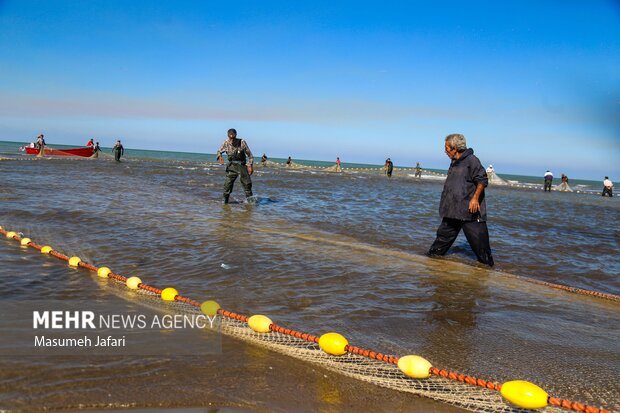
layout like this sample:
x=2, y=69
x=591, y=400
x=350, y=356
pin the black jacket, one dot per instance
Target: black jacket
x=463, y=176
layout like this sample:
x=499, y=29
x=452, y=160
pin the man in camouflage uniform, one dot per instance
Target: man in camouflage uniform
x=240, y=161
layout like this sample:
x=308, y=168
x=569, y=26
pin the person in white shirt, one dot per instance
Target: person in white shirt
x=607, y=187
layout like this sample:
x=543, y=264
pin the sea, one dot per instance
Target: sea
x=316, y=251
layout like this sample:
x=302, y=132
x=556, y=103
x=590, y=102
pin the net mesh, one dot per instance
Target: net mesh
x=468, y=397
x=495, y=179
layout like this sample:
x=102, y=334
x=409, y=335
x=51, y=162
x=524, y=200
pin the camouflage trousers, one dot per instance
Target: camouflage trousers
x=234, y=170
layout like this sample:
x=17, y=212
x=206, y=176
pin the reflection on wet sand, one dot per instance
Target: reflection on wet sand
x=453, y=315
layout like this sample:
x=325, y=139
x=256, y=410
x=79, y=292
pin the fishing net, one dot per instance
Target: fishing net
x=495, y=179
x=465, y=392
x=468, y=397
x=563, y=187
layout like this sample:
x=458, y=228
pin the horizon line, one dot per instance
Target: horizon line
x=299, y=159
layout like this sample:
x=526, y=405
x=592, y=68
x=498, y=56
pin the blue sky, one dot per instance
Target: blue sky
x=533, y=85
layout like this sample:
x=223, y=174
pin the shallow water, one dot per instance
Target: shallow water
x=318, y=252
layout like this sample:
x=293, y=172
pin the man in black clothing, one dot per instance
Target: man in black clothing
x=462, y=203
x=96, y=150
x=388, y=167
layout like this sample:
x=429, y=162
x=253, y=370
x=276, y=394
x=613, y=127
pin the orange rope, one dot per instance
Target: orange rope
x=563, y=403
x=569, y=289
x=371, y=354
x=296, y=334
x=59, y=255
x=186, y=300
x=232, y=315
x=35, y=246
x=578, y=407
x=88, y=266
x=465, y=379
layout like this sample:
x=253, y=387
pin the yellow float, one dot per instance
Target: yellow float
x=209, y=308
x=10, y=234
x=103, y=272
x=415, y=366
x=168, y=294
x=524, y=394
x=260, y=323
x=133, y=282
x=46, y=249
x=74, y=261
x=25, y=241
x=333, y=343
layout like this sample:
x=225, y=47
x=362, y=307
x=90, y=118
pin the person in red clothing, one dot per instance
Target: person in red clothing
x=91, y=143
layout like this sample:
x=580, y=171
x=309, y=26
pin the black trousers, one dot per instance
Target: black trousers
x=234, y=170
x=607, y=191
x=477, y=235
x=548, y=186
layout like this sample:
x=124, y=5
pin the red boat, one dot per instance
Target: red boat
x=85, y=152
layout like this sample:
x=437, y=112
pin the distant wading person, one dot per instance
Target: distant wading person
x=240, y=161
x=40, y=145
x=96, y=150
x=389, y=167
x=462, y=204
x=418, y=171
x=608, y=187
x=118, y=151
x=564, y=185
x=548, y=181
